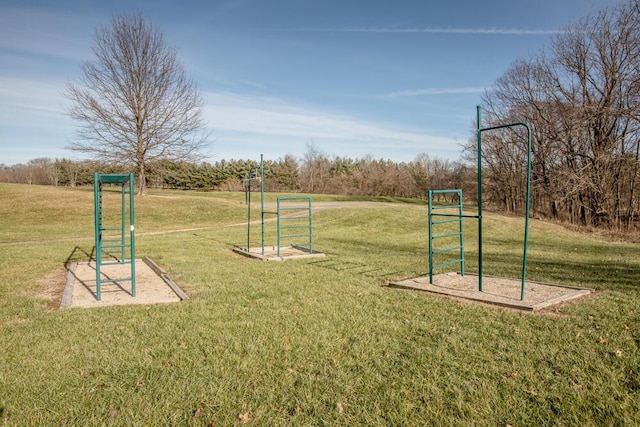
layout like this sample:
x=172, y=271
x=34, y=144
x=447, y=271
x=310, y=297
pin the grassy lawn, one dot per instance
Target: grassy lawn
x=309, y=342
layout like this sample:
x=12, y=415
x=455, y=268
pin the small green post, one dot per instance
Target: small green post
x=262, y=198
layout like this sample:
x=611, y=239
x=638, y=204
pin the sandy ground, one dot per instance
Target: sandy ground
x=497, y=291
x=151, y=287
x=271, y=253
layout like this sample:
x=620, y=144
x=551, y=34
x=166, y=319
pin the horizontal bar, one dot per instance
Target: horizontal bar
x=444, y=264
x=440, y=236
x=294, y=235
x=446, y=221
x=441, y=251
x=124, y=279
x=456, y=215
x=458, y=206
x=125, y=262
x=293, y=217
x=445, y=191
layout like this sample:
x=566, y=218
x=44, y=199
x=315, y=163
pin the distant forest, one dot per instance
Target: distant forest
x=313, y=173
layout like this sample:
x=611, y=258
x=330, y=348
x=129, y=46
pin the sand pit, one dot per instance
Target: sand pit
x=496, y=291
x=286, y=253
x=153, y=285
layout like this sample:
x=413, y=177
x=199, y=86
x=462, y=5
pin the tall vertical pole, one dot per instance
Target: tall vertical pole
x=262, y=198
x=248, y=201
x=479, y=136
x=123, y=222
x=430, y=230
x=132, y=239
x=526, y=214
x=97, y=210
x=310, y=228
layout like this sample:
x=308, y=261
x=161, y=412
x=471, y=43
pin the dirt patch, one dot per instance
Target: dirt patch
x=495, y=290
x=271, y=253
x=152, y=285
x=52, y=287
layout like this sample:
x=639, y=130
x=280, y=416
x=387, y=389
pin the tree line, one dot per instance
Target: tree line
x=313, y=173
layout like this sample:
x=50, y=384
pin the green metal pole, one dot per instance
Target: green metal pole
x=132, y=239
x=97, y=211
x=479, y=136
x=461, y=230
x=278, y=225
x=262, y=199
x=123, y=192
x=527, y=205
x=430, y=227
x=528, y=195
x=248, y=200
x=310, y=228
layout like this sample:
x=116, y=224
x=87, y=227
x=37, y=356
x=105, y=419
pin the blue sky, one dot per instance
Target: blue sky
x=387, y=79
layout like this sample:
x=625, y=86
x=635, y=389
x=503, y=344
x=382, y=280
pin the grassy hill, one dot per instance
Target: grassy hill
x=308, y=342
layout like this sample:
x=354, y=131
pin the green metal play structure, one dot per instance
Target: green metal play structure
x=457, y=216
x=114, y=230
x=441, y=216
x=294, y=219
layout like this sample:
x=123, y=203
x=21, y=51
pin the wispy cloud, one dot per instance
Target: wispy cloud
x=441, y=30
x=29, y=103
x=271, y=119
x=433, y=91
x=50, y=34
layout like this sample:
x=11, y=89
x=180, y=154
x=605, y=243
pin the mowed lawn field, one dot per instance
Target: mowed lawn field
x=309, y=342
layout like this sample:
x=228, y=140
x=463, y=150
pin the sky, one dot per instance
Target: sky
x=386, y=79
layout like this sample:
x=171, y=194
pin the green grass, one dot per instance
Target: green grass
x=309, y=342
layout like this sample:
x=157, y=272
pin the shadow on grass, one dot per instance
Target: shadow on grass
x=600, y=274
x=360, y=268
x=80, y=254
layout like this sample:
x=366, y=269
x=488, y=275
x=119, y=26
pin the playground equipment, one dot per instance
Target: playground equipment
x=113, y=243
x=459, y=215
x=446, y=236
x=294, y=221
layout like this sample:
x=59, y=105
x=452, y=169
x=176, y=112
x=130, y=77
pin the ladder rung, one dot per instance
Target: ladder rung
x=294, y=235
x=441, y=236
x=446, y=207
x=124, y=279
x=444, y=264
x=441, y=251
x=445, y=221
x=116, y=263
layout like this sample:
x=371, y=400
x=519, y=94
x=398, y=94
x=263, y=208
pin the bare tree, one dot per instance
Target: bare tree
x=134, y=102
x=582, y=98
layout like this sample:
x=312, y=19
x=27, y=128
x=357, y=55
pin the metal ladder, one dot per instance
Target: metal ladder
x=112, y=242
x=450, y=214
x=295, y=226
